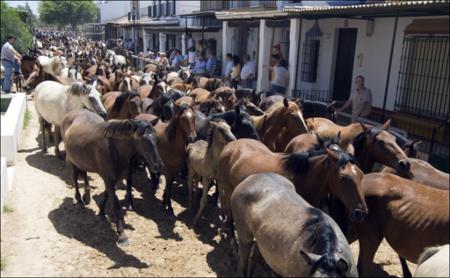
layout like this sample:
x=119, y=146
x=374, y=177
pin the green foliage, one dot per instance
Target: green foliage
x=7, y=209
x=64, y=12
x=12, y=24
x=26, y=119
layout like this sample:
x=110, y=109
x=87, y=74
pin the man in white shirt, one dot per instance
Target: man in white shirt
x=360, y=100
x=10, y=61
x=248, y=72
x=280, y=79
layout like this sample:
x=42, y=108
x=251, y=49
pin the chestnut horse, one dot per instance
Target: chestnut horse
x=93, y=145
x=173, y=137
x=286, y=115
x=409, y=215
x=314, y=174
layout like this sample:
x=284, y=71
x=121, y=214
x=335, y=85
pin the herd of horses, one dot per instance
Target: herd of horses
x=294, y=188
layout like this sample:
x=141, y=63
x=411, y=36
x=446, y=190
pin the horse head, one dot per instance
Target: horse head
x=377, y=144
x=89, y=96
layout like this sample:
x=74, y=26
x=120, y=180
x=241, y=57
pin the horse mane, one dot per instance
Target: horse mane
x=120, y=100
x=77, y=88
x=320, y=239
x=429, y=252
x=28, y=58
x=123, y=129
x=358, y=141
x=274, y=107
x=172, y=129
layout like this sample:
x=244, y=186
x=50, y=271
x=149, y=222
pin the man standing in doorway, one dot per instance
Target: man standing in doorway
x=10, y=61
x=248, y=72
x=360, y=100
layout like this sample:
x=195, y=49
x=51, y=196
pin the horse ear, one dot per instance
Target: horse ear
x=310, y=258
x=154, y=121
x=321, y=141
x=338, y=137
x=364, y=127
x=387, y=124
x=285, y=102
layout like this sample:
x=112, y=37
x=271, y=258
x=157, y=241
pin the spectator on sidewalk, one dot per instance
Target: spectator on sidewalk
x=360, y=100
x=10, y=59
x=248, y=72
x=235, y=72
x=280, y=79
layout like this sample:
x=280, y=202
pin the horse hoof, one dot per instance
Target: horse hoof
x=86, y=198
x=123, y=240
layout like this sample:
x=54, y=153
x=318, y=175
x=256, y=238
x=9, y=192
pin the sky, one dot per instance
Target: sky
x=33, y=4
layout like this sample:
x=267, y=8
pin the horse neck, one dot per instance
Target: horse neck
x=174, y=133
x=364, y=159
x=123, y=150
x=348, y=133
x=259, y=122
x=314, y=184
x=212, y=154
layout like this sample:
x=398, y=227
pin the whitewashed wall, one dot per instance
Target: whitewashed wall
x=375, y=51
x=113, y=9
x=185, y=7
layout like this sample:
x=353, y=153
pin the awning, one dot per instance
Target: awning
x=199, y=14
x=182, y=29
x=384, y=9
x=245, y=15
x=428, y=26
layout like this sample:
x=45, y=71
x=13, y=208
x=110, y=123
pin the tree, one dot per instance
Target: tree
x=12, y=24
x=62, y=13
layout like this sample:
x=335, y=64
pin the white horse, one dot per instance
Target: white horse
x=434, y=262
x=114, y=59
x=184, y=73
x=51, y=65
x=53, y=100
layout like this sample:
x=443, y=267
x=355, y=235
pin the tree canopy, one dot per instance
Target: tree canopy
x=12, y=24
x=62, y=13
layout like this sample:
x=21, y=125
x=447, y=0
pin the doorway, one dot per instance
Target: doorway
x=345, y=56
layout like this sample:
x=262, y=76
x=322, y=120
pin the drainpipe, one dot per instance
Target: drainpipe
x=389, y=69
x=298, y=54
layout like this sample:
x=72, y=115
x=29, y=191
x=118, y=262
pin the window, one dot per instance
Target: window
x=310, y=59
x=422, y=87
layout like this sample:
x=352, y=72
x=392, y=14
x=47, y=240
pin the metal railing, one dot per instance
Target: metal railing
x=317, y=95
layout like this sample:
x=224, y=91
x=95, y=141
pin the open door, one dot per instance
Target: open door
x=345, y=56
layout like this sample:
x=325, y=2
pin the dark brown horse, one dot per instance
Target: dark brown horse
x=122, y=105
x=409, y=215
x=286, y=115
x=93, y=145
x=173, y=137
x=314, y=174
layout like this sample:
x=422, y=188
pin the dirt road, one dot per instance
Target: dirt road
x=46, y=234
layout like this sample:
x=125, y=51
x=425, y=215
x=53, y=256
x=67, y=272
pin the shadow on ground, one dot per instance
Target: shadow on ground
x=86, y=227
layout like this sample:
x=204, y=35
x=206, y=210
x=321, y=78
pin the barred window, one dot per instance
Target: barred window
x=310, y=59
x=422, y=87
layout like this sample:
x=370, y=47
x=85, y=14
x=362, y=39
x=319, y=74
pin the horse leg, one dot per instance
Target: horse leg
x=75, y=173
x=42, y=123
x=370, y=237
x=167, y=203
x=215, y=196
x=129, y=196
x=405, y=269
x=155, y=180
x=101, y=212
x=118, y=213
x=245, y=240
x=206, y=184
x=57, y=137
x=190, y=186
x=87, y=189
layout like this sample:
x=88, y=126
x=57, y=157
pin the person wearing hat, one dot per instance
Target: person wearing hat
x=10, y=61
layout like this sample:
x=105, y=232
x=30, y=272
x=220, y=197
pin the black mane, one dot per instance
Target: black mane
x=298, y=163
x=320, y=239
x=358, y=141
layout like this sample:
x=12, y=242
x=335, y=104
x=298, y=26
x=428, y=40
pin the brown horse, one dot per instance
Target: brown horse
x=286, y=115
x=173, y=137
x=93, y=145
x=411, y=216
x=314, y=174
x=38, y=75
x=122, y=105
x=422, y=172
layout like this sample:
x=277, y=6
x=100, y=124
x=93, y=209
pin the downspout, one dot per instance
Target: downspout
x=389, y=69
x=298, y=54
